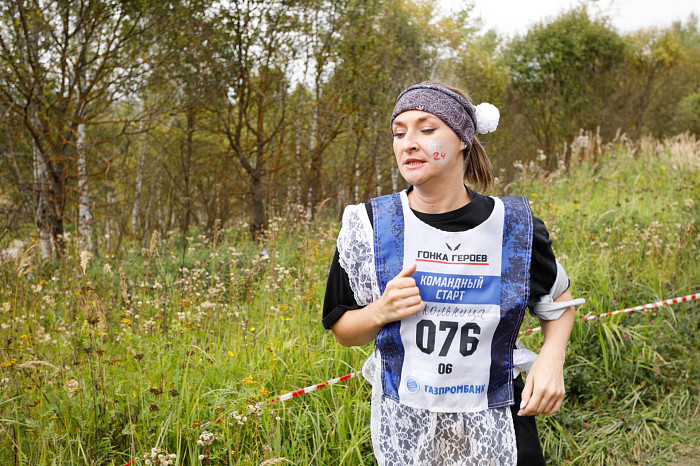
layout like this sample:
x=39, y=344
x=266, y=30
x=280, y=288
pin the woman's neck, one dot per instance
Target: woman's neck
x=439, y=199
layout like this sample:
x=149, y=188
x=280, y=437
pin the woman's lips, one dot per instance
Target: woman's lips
x=414, y=163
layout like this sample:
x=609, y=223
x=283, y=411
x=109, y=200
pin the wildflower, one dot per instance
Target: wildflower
x=71, y=387
x=255, y=409
x=252, y=329
x=663, y=167
x=125, y=321
x=264, y=391
x=230, y=353
x=206, y=439
x=248, y=380
x=9, y=363
x=107, y=269
x=85, y=257
x=159, y=457
x=585, y=424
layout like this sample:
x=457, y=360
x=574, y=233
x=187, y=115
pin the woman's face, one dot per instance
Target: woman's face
x=426, y=149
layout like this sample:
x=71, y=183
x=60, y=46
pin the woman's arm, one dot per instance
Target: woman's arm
x=544, y=386
x=400, y=299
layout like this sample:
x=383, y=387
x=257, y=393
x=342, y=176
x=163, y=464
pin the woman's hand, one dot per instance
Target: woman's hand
x=544, y=385
x=400, y=299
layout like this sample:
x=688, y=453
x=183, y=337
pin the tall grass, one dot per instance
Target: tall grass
x=104, y=363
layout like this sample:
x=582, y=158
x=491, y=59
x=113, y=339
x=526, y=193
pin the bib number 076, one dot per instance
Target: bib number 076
x=426, y=331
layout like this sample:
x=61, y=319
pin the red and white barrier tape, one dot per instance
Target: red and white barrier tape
x=309, y=389
x=301, y=391
x=666, y=302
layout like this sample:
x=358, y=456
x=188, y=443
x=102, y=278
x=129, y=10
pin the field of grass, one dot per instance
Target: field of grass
x=113, y=359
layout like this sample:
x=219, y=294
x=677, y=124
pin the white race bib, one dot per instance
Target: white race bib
x=448, y=344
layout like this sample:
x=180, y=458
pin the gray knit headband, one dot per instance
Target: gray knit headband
x=449, y=106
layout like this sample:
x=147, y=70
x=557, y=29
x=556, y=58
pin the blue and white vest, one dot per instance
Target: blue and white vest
x=457, y=354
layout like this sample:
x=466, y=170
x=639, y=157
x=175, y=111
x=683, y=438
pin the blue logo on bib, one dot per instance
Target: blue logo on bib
x=412, y=385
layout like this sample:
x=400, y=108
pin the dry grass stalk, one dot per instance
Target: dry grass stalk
x=682, y=151
x=275, y=461
x=85, y=257
x=587, y=147
x=23, y=262
x=31, y=364
x=122, y=284
x=152, y=247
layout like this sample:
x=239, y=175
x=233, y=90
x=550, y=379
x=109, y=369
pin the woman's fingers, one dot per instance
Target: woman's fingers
x=401, y=297
x=407, y=271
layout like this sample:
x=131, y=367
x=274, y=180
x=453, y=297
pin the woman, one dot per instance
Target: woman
x=439, y=276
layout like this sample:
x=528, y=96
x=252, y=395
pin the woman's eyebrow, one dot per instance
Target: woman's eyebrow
x=398, y=122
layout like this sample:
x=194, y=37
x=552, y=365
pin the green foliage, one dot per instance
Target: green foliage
x=562, y=75
x=105, y=358
x=687, y=116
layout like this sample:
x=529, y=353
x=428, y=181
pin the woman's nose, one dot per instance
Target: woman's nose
x=410, y=142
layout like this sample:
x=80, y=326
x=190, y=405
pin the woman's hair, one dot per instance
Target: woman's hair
x=478, y=171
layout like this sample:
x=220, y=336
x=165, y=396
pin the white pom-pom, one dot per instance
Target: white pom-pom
x=487, y=116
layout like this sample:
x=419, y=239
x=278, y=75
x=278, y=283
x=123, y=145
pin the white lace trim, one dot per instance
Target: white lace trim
x=356, y=254
x=402, y=435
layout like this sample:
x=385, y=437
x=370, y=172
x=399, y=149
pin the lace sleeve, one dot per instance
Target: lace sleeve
x=356, y=254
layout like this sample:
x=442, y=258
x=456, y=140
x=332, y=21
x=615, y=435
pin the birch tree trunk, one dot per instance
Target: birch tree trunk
x=297, y=188
x=85, y=219
x=378, y=172
x=42, y=211
x=108, y=220
x=313, y=163
x=135, y=211
x=394, y=178
x=356, y=189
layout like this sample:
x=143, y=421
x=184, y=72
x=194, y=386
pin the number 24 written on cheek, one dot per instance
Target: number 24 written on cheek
x=438, y=156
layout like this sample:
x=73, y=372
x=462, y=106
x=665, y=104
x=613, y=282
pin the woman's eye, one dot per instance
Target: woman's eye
x=429, y=130
x=398, y=135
